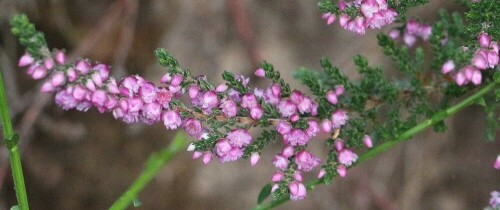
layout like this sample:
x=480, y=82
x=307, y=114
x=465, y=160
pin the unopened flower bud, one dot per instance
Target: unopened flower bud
x=367, y=141
x=331, y=97
x=254, y=158
x=342, y=170
x=207, y=157
x=448, y=67
x=278, y=177
x=321, y=173
x=484, y=39
x=260, y=72
x=26, y=60
x=191, y=147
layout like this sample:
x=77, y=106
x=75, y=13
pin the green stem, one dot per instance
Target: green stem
x=153, y=165
x=440, y=116
x=10, y=139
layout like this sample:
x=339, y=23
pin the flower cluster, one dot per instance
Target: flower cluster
x=82, y=85
x=231, y=106
x=369, y=14
x=413, y=30
x=485, y=57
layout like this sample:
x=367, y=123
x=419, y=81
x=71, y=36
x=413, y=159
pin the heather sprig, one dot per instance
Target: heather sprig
x=361, y=118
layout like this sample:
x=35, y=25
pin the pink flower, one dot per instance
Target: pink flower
x=229, y=108
x=313, y=128
x=209, y=100
x=394, y=33
x=288, y=151
x=256, y=112
x=176, y=80
x=296, y=97
x=339, y=90
x=80, y=92
x=369, y=7
x=342, y=170
x=339, y=145
x=484, y=40
x=321, y=173
x=425, y=31
x=283, y=127
x=65, y=99
x=367, y=141
x=72, y=74
x=297, y=191
x=48, y=63
x=331, y=97
x=57, y=78
x=347, y=157
x=197, y=155
x=193, y=91
x=448, y=67
x=207, y=157
x=326, y=125
x=249, y=101
x=294, y=118
x=239, y=138
x=254, y=158
x=26, y=60
x=39, y=72
x=460, y=78
x=99, y=98
x=492, y=57
x=163, y=97
x=128, y=86
x=286, y=108
x=166, y=78
x=47, y=87
x=297, y=176
x=221, y=88
x=260, y=72
x=496, y=165
x=278, y=177
x=409, y=39
x=234, y=154
x=305, y=106
x=296, y=137
x=171, y=119
x=151, y=113
x=60, y=57
x=479, y=61
x=193, y=127
x=148, y=92
x=329, y=17
x=222, y=147
x=103, y=71
x=280, y=162
x=306, y=161
x=495, y=199
x=82, y=66
x=339, y=118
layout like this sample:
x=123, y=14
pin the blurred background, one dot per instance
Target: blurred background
x=76, y=160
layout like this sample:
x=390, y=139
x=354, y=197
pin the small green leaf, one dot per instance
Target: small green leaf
x=264, y=193
x=14, y=207
x=481, y=101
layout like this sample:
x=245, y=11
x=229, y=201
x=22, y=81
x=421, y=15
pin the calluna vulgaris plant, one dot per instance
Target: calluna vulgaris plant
x=465, y=57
